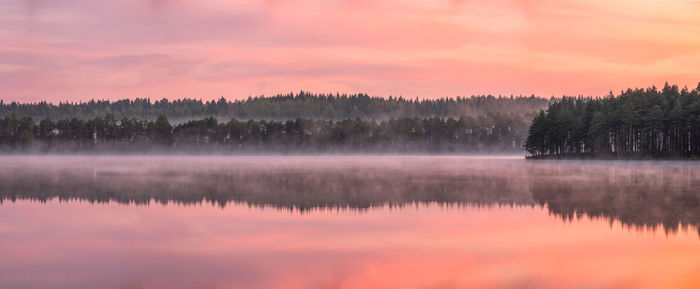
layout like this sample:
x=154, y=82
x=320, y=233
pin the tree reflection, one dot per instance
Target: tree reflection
x=641, y=195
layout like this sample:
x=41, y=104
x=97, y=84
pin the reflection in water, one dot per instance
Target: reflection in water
x=643, y=195
x=345, y=222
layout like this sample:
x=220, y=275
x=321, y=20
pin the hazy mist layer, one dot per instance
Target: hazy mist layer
x=637, y=193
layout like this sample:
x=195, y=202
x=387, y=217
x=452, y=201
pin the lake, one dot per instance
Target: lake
x=347, y=222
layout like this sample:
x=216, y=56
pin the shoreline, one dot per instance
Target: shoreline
x=613, y=156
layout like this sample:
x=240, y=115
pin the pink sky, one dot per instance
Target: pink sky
x=81, y=49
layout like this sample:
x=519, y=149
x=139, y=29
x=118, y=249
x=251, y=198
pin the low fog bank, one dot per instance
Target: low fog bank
x=639, y=194
x=489, y=134
x=259, y=154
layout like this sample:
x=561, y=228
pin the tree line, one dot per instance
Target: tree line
x=637, y=123
x=280, y=107
x=486, y=133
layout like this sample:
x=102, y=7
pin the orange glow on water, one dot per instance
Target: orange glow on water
x=158, y=246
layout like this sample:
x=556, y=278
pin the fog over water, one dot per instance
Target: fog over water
x=637, y=193
x=347, y=222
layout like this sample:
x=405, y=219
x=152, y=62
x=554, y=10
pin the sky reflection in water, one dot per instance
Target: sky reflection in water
x=347, y=222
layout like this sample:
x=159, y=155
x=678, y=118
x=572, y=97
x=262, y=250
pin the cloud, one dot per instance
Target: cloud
x=157, y=5
x=85, y=48
x=34, y=6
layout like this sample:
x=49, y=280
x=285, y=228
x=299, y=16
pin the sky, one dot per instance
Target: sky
x=72, y=50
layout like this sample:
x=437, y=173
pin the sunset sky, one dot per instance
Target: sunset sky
x=61, y=50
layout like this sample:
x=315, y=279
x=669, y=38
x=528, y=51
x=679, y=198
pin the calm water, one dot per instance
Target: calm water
x=347, y=222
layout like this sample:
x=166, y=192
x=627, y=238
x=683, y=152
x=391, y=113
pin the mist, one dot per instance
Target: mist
x=639, y=194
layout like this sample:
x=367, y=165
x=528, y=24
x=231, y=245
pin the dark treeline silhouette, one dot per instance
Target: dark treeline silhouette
x=637, y=123
x=486, y=133
x=644, y=195
x=281, y=107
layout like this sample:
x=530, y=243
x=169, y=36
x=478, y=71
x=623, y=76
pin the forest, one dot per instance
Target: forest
x=301, y=122
x=281, y=107
x=486, y=133
x=638, y=123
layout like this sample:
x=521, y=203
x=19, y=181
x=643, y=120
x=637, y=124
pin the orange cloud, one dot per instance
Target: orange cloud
x=73, y=50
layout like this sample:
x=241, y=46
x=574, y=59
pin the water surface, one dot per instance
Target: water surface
x=347, y=222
